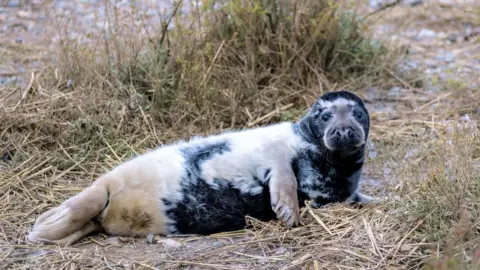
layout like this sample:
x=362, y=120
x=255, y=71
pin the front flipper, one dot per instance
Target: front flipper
x=283, y=195
x=360, y=199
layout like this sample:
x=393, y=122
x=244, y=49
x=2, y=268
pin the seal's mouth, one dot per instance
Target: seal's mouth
x=344, y=143
x=345, y=149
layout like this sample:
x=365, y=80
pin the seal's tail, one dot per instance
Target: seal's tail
x=72, y=220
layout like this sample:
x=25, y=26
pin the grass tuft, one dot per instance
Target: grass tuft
x=226, y=56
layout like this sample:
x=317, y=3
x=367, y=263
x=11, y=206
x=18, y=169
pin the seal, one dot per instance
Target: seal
x=210, y=184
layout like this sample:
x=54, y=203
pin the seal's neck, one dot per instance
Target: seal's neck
x=348, y=159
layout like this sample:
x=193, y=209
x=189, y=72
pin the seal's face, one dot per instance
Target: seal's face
x=339, y=121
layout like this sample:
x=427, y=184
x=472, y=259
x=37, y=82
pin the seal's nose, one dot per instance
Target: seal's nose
x=343, y=132
x=334, y=133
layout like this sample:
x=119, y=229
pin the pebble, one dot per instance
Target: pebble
x=433, y=89
x=150, y=238
x=430, y=63
x=372, y=150
x=394, y=91
x=413, y=64
x=114, y=241
x=412, y=153
x=263, y=260
x=446, y=2
x=413, y=2
x=406, y=67
x=372, y=93
x=281, y=251
x=386, y=170
x=426, y=34
x=13, y=3
x=381, y=3
x=13, y=81
x=468, y=29
x=445, y=56
x=24, y=14
x=453, y=66
x=384, y=108
x=452, y=38
x=436, y=70
x=466, y=118
x=170, y=243
x=377, y=3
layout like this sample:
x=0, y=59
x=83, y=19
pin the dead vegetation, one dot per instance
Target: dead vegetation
x=114, y=93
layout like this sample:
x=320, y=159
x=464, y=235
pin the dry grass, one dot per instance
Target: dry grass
x=108, y=99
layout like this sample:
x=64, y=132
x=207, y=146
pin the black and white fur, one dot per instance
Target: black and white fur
x=209, y=184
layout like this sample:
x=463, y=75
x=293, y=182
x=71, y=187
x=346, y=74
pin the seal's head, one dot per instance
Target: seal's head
x=337, y=121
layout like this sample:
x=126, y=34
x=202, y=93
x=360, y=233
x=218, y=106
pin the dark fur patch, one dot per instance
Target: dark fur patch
x=196, y=155
x=204, y=209
x=333, y=176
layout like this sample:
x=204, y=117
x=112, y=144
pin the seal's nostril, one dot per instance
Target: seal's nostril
x=350, y=133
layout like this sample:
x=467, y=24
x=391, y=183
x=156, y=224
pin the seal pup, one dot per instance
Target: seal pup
x=209, y=184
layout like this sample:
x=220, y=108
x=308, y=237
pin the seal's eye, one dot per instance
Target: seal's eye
x=326, y=116
x=358, y=114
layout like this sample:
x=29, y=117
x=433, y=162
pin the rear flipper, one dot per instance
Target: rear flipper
x=72, y=220
x=88, y=228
